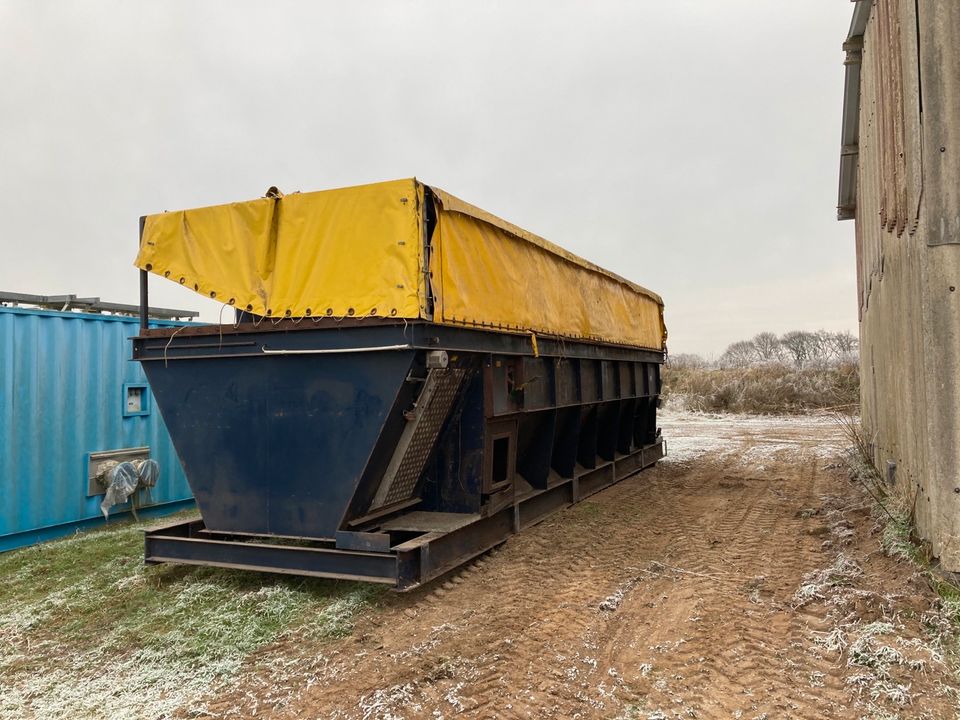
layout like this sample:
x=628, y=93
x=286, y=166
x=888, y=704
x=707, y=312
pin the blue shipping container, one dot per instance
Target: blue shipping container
x=68, y=388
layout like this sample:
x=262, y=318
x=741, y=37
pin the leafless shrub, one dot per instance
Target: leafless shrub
x=687, y=361
x=768, y=389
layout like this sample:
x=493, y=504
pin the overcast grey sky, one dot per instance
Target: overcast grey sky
x=691, y=146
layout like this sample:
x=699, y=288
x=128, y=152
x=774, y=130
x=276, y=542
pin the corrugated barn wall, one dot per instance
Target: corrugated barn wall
x=64, y=380
x=907, y=214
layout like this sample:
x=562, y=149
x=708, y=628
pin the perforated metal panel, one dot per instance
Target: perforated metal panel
x=419, y=437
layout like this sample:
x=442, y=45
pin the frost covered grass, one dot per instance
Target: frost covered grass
x=766, y=389
x=874, y=633
x=881, y=657
x=755, y=439
x=87, y=630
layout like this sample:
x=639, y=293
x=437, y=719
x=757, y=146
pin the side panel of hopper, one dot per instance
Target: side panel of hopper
x=278, y=444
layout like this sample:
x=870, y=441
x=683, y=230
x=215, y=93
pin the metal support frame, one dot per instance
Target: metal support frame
x=195, y=343
x=64, y=303
x=408, y=563
x=144, y=288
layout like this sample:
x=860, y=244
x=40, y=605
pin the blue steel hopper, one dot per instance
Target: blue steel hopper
x=464, y=394
x=398, y=450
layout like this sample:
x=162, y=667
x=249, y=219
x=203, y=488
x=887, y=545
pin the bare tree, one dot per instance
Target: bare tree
x=739, y=354
x=799, y=349
x=767, y=347
x=798, y=345
x=821, y=348
x=846, y=346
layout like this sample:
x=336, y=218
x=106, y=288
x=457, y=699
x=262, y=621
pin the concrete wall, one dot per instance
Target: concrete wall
x=908, y=253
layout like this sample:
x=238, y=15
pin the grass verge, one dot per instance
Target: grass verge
x=896, y=646
x=88, y=631
x=895, y=515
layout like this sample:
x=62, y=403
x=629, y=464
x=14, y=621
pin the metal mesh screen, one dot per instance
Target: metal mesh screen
x=423, y=437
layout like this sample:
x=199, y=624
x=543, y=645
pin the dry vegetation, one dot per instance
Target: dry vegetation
x=768, y=374
x=767, y=389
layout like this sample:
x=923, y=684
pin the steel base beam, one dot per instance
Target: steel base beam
x=407, y=564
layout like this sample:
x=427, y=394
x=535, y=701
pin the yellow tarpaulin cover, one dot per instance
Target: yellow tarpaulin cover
x=359, y=251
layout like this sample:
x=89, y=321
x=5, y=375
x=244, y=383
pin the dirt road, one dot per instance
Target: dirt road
x=742, y=578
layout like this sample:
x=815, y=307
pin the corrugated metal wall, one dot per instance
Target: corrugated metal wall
x=61, y=398
x=908, y=250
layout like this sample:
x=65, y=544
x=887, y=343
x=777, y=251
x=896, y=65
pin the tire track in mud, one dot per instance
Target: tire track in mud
x=734, y=607
x=544, y=589
x=671, y=591
x=525, y=648
x=756, y=616
x=574, y=573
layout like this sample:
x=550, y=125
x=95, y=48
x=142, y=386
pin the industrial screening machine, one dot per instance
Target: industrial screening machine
x=409, y=380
